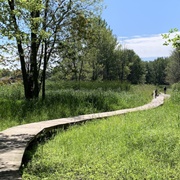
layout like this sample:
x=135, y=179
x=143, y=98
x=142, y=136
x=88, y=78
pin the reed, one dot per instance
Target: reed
x=66, y=101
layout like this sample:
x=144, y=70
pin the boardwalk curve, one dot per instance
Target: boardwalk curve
x=14, y=141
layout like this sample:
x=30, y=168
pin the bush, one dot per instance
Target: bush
x=176, y=87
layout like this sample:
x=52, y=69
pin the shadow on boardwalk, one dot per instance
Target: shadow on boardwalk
x=15, y=140
x=10, y=143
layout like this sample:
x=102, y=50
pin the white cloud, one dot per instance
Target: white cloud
x=147, y=47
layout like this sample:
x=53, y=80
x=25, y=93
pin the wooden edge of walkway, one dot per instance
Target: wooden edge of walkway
x=15, y=140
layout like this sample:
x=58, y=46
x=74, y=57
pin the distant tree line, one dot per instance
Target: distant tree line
x=104, y=59
x=97, y=57
x=101, y=57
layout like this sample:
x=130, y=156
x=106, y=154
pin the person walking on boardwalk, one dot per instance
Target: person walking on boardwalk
x=156, y=93
x=165, y=90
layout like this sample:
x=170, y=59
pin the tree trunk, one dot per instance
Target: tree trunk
x=34, y=85
x=23, y=69
x=44, y=71
x=20, y=50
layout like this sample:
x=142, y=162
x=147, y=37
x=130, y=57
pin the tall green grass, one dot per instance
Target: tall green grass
x=176, y=94
x=66, y=101
x=11, y=92
x=89, y=85
x=139, y=145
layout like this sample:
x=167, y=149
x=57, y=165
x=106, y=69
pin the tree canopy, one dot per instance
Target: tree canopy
x=35, y=28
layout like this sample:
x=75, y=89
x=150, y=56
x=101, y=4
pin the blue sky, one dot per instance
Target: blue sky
x=138, y=24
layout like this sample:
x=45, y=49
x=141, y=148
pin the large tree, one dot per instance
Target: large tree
x=156, y=71
x=35, y=28
x=160, y=65
x=73, y=51
x=128, y=65
x=150, y=72
x=173, y=67
x=88, y=55
x=122, y=69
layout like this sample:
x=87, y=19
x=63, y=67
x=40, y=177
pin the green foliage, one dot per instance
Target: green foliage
x=89, y=85
x=88, y=55
x=173, y=67
x=66, y=99
x=12, y=92
x=140, y=145
x=33, y=30
x=176, y=87
x=176, y=97
x=100, y=60
x=156, y=71
x=176, y=94
x=4, y=72
x=172, y=38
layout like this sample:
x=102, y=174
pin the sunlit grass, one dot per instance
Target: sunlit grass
x=140, y=145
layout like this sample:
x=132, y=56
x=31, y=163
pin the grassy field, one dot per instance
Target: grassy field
x=139, y=145
x=65, y=99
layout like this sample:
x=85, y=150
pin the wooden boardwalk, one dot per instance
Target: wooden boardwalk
x=15, y=140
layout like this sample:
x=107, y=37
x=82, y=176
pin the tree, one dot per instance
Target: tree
x=128, y=65
x=121, y=69
x=101, y=46
x=173, y=67
x=137, y=70
x=73, y=51
x=150, y=73
x=35, y=27
x=106, y=44
x=89, y=55
x=160, y=65
x=173, y=37
x=156, y=71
